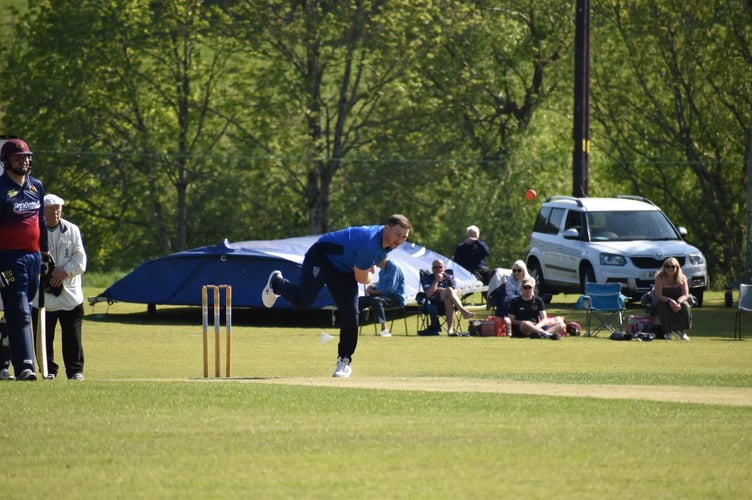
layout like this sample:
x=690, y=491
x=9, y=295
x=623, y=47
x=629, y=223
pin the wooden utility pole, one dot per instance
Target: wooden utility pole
x=581, y=130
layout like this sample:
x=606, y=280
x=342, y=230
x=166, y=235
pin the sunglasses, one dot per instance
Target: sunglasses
x=516, y=270
x=670, y=267
x=437, y=267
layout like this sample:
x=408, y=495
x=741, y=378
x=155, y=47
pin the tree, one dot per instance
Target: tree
x=131, y=96
x=489, y=82
x=672, y=100
x=173, y=124
x=334, y=74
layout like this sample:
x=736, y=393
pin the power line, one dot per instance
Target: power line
x=381, y=160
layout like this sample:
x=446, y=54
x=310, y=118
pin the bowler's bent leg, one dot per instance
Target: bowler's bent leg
x=313, y=275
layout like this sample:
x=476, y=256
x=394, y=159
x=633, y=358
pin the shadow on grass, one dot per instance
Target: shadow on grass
x=713, y=319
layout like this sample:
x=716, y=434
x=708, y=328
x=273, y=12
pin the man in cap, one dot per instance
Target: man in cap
x=24, y=251
x=64, y=294
x=527, y=314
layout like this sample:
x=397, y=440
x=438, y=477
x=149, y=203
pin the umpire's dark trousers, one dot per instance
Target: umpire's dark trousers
x=71, y=323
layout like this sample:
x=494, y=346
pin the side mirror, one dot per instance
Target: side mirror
x=571, y=234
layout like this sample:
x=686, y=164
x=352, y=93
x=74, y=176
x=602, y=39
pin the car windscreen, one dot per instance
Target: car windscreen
x=630, y=226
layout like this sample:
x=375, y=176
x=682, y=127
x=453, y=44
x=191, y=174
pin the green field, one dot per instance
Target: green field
x=421, y=417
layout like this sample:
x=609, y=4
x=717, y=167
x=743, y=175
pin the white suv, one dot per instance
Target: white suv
x=605, y=240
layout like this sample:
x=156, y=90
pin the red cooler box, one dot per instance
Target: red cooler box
x=492, y=326
x=639, y=324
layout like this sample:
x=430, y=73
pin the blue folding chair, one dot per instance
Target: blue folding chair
x=605, y=303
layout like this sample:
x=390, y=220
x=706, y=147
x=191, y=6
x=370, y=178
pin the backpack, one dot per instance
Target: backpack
x=574, y=329
x=649, y=302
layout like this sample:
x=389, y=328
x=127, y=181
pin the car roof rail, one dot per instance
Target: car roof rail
x=635, y=197
x=564, y=198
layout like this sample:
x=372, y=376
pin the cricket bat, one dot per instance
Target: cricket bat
x=41, y=337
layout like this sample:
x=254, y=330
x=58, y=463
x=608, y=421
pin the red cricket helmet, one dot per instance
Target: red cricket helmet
x=15, y=147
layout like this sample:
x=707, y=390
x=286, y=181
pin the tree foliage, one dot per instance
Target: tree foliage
x=674, y=117
x=129, y=107
x=169, y=125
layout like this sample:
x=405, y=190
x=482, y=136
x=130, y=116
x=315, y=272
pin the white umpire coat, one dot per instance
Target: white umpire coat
x=67, y=249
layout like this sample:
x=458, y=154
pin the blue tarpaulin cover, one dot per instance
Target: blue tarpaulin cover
x=176, y=279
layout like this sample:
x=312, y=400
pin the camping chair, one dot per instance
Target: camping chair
x=392, y=313
x=496, y=300
x=745, y=306
x=497, y=288
x=423, y=316
x=465, y=298
x=604, y=303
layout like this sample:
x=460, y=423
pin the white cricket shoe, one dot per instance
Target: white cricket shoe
x=343, y=368
x=384, y=333
x=5, y=375
x=684, y=336
x=268, y=297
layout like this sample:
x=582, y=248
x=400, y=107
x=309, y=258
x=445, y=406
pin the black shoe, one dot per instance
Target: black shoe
x=429, y=332
x=555, y=336
x=535, y=335
x=27, y=374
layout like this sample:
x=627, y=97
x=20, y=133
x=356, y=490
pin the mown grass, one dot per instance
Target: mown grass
x=144, y=424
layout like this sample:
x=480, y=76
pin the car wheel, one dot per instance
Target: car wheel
x=534, y=270
x=587, y=275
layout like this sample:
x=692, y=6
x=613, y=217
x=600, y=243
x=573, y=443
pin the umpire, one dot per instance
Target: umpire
x=64, y=295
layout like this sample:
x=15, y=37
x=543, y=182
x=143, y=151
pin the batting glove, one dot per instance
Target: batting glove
x=48, y=265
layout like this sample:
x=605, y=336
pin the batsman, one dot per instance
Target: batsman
x=24, y=251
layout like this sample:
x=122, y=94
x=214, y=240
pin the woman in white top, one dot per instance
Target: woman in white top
x=513, y=286
x=514, y=282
